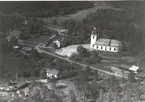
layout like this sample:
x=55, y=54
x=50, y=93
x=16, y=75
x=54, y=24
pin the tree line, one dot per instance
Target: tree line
x=43, y=8
x=126, y=25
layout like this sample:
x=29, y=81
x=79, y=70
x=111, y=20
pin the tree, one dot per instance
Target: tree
x=117, y=88
x=54, y=22
x=44, y=75
x=95, y=88
x=131, y=77
x=88, y=69
x=72, y=96
x=4, y=46
x=36, y=72
x=96, y=74
x=35, y=53
x=26, y=74
x=13, y=41
x=82, y=51
x=94, y=54
x=25, y=35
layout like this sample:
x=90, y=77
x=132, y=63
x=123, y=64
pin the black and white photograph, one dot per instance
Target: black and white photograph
x=72, y=51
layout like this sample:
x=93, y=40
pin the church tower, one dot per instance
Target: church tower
x=93, y=37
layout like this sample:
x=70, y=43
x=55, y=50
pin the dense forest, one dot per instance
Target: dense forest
x=126, y=23
x=43, y=9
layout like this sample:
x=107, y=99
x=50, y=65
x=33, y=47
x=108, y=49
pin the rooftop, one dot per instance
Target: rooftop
x=27, y=49
x=108, y=42
x=52, y=71
x=94, y=31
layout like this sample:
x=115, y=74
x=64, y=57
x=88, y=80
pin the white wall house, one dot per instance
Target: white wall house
x=57, y=43
x=52, y=73
x=110, y=45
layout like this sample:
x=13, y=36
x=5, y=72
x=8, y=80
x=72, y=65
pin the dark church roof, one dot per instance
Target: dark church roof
x=108, y=42
x=94, y=31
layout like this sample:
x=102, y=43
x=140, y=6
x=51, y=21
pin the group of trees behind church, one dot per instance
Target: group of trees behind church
x=43, y=8
x=124, y=24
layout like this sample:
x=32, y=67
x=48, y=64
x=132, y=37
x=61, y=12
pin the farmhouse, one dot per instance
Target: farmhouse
x=103, y=44
x=51, y=73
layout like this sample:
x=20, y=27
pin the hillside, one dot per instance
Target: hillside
x=43, y=8
x=78, y=16
x=122, y=23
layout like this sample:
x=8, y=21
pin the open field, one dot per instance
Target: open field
x=112, y=58
x=80, y=15
x=67, y=51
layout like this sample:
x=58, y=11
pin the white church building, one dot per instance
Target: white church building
x=103, y=44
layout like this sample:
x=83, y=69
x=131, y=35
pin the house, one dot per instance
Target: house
x=103, y=44
x=16, y=48
x=26, y=50
x=134, y=68
x=56, y=41
x=51, y=73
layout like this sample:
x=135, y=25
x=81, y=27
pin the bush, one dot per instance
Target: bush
x=94, y=54
x=75, y=57
x=36, y=73
x=26, y=74
x=131, y=77
x=94, y=60
x=82, y=51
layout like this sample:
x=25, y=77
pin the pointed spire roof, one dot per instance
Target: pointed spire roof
x=94, y=31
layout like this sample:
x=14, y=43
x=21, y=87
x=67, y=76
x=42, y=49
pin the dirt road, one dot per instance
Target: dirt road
x=38, y=48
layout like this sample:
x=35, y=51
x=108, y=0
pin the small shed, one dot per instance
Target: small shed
x=134, y=68
x=26, y=50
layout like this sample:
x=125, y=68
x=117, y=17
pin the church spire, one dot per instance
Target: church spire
x=94, y=32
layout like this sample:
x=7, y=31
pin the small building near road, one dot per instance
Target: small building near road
x=26, y=50
x=51, y=73
x=57, y=43
x=134, y=68
x=16, y=48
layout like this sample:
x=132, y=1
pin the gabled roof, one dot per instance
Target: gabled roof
x=27, y=49
x=115, y=43
x=52, y=71
x=108, y=42
x=94, y=31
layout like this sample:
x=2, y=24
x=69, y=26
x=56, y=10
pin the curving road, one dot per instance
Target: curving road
x=38, y=48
